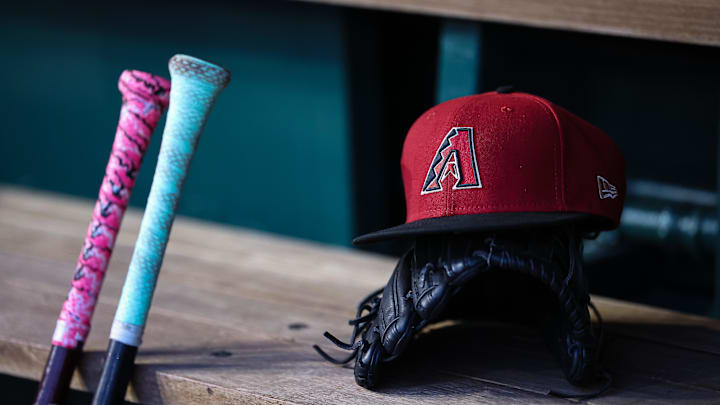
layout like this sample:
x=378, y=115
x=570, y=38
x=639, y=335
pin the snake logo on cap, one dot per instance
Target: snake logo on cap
x=456, y=157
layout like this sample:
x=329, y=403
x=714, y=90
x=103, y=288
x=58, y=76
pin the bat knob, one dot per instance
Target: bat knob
x=134, y=83
x=193, y=68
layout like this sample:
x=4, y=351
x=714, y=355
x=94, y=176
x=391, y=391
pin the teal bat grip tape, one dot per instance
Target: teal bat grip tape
x=196, y=85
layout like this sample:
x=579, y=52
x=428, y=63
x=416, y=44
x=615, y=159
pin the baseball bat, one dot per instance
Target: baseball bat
x=144, y=98
x=196, y=84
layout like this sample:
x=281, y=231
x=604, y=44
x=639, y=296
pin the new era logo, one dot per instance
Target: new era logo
x=455, y=156
x=606, y=189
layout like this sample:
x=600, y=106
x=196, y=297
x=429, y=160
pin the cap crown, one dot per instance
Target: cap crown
x=515, y=152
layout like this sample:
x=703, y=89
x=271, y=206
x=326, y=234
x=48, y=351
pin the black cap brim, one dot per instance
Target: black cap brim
x=482, y=223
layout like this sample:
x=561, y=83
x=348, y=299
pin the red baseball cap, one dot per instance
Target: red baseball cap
x=506, y=160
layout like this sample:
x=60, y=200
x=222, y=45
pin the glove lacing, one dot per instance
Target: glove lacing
x=360, y=324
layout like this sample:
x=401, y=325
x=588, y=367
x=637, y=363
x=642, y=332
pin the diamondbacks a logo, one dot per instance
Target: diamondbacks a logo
x=456, y=157
x=605, y=189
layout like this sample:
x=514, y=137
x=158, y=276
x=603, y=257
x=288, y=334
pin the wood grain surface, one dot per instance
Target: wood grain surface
x=689, y=21
x=236, y=312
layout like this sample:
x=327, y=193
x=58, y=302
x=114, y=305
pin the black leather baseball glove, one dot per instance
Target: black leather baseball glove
x=439, y=270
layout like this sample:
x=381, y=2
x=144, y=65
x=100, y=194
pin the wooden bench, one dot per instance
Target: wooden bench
x=236, y=312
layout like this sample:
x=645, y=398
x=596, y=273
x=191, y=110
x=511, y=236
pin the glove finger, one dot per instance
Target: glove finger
x=396, y=316
x=391, y=330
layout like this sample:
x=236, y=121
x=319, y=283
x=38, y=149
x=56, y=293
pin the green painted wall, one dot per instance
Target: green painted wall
x=275, y=153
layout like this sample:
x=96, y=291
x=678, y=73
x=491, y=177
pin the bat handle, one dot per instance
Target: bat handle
x=196, y=86
x=144, y=98
x=57, y=375
x=116, y=374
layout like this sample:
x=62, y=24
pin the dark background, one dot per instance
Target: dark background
x=306, y=140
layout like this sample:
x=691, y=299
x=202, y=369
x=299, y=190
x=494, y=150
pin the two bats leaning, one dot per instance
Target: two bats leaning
x=196, y=84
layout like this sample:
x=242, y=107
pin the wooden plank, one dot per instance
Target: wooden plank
x=483, y=351
x=691, y=21
x=220, y=326
x=182, y=357
x=660, y=325
x=678, y=366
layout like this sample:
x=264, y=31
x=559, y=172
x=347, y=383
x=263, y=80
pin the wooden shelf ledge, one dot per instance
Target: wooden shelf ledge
x=691, y=21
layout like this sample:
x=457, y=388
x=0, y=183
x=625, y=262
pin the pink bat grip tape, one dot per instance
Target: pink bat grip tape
x=144, y=98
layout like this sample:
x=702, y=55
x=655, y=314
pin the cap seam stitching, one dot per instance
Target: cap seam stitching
x=550, y=111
